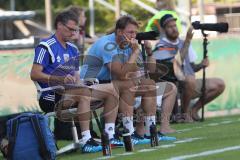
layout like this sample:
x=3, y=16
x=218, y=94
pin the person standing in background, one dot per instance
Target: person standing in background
x=164, y=7
x=81, y=38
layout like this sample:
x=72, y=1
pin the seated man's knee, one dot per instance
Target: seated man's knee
x=218, y=85
x=111, y=90
x=123, y=85
x=221, y=85
x=79, y=94
x=172, y=87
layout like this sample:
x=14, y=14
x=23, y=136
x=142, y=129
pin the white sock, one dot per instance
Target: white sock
x=128, y=123
x=110, y=129
x=85, y=136
x=148, y=122
x=159, y=101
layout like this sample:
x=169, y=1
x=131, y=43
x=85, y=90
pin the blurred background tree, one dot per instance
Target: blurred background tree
x=104, y=18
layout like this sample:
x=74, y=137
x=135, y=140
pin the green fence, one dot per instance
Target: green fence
x=224, y=56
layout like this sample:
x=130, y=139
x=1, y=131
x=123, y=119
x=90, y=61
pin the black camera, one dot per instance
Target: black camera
x=152, y=35
x=219, y=27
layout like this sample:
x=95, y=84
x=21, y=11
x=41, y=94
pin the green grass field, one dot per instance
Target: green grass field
x=220, y=134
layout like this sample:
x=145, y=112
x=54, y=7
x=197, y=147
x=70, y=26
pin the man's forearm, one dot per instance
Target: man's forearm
x=130, y=65
x=134, y=56
x=151, y=64
x=127, y=68
x=196, y=67
x=77, y=77
x=46, y=78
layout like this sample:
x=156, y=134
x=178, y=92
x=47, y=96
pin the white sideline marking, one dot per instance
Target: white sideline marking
x=187, y=140
x=166, y=146
x=210, y=124
x=213, y=124
x=150, y=149
x=125, y=154
x=206, y=153
x=107, y=157
x=226, y=122
x=199, y=127
x=184, y=130
x=147, y=150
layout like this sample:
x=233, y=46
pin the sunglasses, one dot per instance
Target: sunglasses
x=71, y=29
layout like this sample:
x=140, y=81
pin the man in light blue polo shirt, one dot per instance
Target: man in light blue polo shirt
x=113, y=59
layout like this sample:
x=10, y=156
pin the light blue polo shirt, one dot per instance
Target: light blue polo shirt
x=101, y=53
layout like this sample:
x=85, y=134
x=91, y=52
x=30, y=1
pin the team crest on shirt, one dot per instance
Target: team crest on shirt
x=58, y=59
x=110, y=46
x=66, y=57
